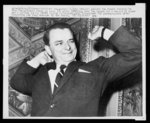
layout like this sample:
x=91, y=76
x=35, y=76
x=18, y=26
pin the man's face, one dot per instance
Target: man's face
x=62, y=45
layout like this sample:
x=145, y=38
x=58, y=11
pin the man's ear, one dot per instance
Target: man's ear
x=47, y=48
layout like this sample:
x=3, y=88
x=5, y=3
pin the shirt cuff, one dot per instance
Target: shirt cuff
x=107, y=34
x=32, y=63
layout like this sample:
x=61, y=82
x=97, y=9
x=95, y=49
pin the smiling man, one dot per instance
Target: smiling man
x=60, y=85
x=62, y=46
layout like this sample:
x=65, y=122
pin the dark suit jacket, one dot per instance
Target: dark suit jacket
x=83, y=84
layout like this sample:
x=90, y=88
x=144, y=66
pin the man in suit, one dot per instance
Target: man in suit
x=81, y=85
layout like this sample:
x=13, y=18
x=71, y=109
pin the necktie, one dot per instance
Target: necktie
x=59, y=76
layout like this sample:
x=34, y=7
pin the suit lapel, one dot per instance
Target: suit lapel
x=45, y=80
x=69, y=71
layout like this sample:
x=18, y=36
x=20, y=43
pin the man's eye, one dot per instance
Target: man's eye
x=60, y=43
x=72, y=41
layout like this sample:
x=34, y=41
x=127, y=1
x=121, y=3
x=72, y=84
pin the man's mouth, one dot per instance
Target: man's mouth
x=68, y=52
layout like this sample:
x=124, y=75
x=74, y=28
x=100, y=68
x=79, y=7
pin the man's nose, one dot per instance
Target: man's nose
x=67, y=46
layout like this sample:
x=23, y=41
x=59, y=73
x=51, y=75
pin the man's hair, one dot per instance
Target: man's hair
x=56, y=26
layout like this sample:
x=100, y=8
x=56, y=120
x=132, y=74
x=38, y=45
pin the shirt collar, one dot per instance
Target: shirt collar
x=52, y=65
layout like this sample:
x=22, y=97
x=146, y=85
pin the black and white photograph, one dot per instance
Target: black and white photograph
x=85, y=63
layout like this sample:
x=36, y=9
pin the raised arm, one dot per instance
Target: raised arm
x=23, y=80
x=123, y=63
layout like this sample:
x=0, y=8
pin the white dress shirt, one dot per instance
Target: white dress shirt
x=52, y=76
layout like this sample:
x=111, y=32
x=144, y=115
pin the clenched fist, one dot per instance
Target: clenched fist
x=96, y=32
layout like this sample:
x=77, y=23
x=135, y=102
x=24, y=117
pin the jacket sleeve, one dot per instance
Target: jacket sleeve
x=127, y=61
x=22, y=80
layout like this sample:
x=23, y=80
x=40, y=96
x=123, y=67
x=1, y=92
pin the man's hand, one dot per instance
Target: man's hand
x=96, y=32
x=41, y=58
